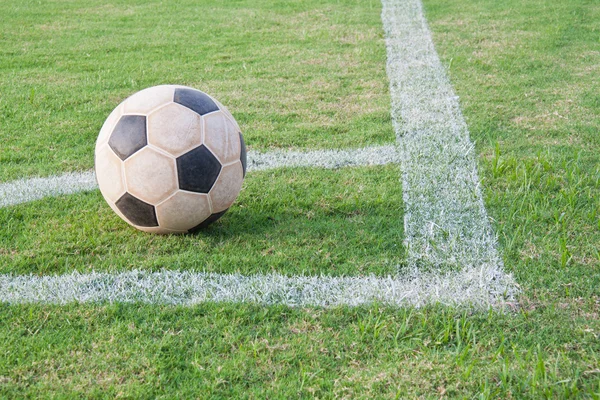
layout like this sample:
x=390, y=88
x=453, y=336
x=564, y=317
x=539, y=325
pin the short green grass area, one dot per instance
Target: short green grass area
x=244, y=351
x=295, y=74
x=290, y=221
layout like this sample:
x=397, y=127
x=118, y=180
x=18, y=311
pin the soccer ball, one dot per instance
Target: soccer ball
x=170, y=159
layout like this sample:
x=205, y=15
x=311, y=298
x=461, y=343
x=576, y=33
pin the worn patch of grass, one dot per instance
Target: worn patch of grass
x=295, y=74
x=290, y=221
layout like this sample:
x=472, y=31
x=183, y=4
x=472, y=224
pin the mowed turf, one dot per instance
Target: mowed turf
x=301, y=75
x=291, y=221
x=247, y=351
x=526, y=76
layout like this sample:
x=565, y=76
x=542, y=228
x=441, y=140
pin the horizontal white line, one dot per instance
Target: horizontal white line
x=25, y=190
x=377, y=155
x=481, y=289
x=30, y=189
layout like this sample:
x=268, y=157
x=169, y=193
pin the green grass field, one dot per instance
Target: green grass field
x=298, y=221
x=298, y=75
x=304, y=75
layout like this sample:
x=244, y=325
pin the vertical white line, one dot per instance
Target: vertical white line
x=446, y=225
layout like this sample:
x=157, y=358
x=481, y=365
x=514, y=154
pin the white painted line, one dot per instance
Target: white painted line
x=446, y=224
x=188, y=288
x=25, y=190
x=377, y=155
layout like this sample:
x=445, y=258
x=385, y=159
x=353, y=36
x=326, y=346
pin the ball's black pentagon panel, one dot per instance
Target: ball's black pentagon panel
x=243, y=157
x=137, y=211
x=195, y=100
x=198, y=170
x=207, y=221
x=128, y=136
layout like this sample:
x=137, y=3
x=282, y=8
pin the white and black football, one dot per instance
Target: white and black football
x=170, y=159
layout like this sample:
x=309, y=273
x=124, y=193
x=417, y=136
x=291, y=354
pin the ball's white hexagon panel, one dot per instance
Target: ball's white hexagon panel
x=175, y=129
x=109, y=125
x=144, y=101
x=227, y=187
x=150, y=176
x=183, y=211
x=109, y=173
x=222, y=137
x=225, y=111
